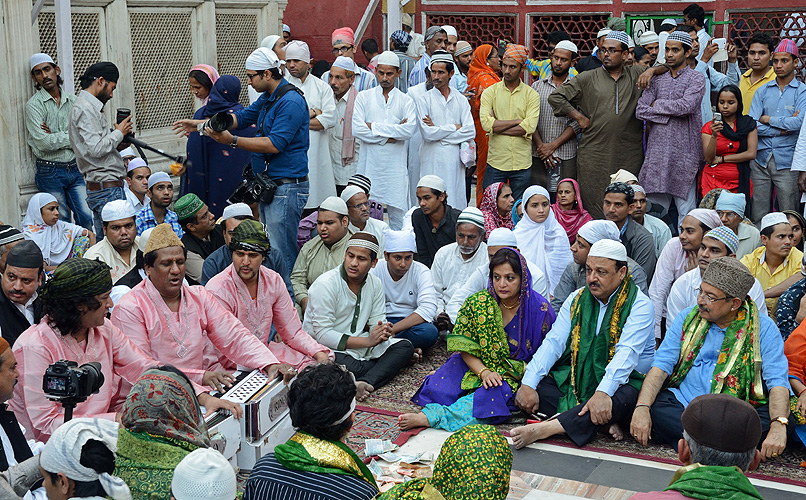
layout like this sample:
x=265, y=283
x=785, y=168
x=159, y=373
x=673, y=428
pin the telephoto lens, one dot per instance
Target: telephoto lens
x=221, y=121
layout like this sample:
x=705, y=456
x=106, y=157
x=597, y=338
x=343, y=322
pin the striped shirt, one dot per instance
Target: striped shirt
x=551, y=127
x=270, y=480
x=363, y=79
x=42, y=107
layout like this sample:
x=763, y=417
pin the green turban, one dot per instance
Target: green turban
x=76, y=278
x=250, y=235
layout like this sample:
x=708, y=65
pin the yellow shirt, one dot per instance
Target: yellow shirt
x=509, y=152
x=749, y=89
x=757, y=265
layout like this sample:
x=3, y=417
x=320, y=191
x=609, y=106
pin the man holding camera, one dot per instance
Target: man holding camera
x=280, y=150
x=95, y=146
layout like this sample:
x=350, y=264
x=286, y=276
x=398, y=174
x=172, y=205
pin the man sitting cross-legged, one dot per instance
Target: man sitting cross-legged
x=720, y=345
x=257, y=296
x=589, y=367
x=347, y=313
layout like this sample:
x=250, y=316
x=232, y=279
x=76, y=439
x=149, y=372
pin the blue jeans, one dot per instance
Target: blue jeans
x=67, y=185
x=282, y=217
x=423, y=335
x=96, y=201
x=519, y=180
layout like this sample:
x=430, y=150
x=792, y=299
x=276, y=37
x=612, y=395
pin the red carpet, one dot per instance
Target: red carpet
x=376, y=424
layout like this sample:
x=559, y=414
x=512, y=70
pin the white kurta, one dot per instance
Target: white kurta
x=319, y=95
x=414, y=144
x=450, y=271
x=439, y=153
x=385, y=162
x=413, y=293
x=374, y=227
x=684, y=294
x=335, y=135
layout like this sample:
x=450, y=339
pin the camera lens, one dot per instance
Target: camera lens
x=95, y=378
x=221, y=121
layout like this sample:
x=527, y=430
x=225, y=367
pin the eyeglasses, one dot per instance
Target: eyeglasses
x=360, y=205
x=607, y=51
x=345, y=48
x=727, y=213
x=249, y=76
x=709, y=299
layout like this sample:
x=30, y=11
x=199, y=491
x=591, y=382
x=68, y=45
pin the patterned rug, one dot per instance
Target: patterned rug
x=377, y=425
x=395, y=398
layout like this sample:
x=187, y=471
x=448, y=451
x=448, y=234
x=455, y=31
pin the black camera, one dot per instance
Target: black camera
x=253, y=188
x=221, y=121
x=65, y=380
x=122, y=114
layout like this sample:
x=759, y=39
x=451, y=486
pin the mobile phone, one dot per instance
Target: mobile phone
x=717, y=117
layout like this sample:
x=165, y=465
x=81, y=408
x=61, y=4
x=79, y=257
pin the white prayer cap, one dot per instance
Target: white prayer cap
x=144, y=237
x=286, y=28
x=399, y=241
x=440, y=56
x=772, y=219
x=236, y=210
x=707, y=216
x=471, y=215
x=433, y=182
x=269, y=42
x=127, y=152
x=630, y=43
x=351, y=191
x=158, y=177
x=567, y=45
x=204, y=474
x=669, y=20
x=347, y=64
x=334, y=204
x=603, y=32
x=298, y=50
x=262, y=59
x=595, y=230
x=63, y=452
x=405, y=20
x=136, y=163
x=609, y=249
x=450, y=30
x=502, y=237
x=622, y=175
x=389, y=58
x=40, y=58
x=648, y=37
x=117, y=210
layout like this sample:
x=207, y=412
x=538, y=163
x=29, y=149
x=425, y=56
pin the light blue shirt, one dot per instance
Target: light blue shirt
x=634, y=350
x=780, y=106
x=417, y=75
x=714, y=81
x=774, y=367
x=458, y=80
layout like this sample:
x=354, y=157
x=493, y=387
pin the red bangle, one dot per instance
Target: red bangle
x=801, y=392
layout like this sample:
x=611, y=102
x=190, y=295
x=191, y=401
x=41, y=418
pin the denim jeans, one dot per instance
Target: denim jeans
x=96, y=201
x=519, y=180
x=282, y=217
x=423, y=335
x=67, y=185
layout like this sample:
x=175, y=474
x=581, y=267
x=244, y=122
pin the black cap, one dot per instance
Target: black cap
x=722, y=422
x=26, y=255
x=104, y=69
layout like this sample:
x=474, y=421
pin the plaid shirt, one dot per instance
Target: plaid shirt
x=145, y=220
x=549, y=126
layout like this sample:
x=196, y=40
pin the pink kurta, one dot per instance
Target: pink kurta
x=200, y=322
x=40, y=345
x=273, y=305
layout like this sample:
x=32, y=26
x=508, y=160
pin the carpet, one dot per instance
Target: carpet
x=376, y=424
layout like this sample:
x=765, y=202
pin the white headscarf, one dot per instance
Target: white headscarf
x=55, y=241
x=544, y=243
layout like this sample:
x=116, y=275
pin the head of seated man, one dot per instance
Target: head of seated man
x=119, y=226
x=24, y=272
x=358, y=260
x=194, y=216
x=730, y=208
x=469, y=231
x=9, y=237
x=137, y=173
x=432, y=200
x=357, y=206
x=693, y=228
x=165, y=266
x=619, y=201
x=250, y=245
x=714, y=245
x=776, y=236
x=161, y=191
x=332, y=221
x=606, y=271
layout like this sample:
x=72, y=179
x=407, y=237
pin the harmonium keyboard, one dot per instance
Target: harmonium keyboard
x=265, y=423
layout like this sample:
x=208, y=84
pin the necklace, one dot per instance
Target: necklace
x=512, y=306
x=255, y=324
x=183, y=350
x=80, y=356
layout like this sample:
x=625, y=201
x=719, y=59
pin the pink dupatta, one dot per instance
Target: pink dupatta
x=572, y=219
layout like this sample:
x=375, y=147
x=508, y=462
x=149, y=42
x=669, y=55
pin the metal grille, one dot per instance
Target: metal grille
x=776, y=24
x=582, y=29
x=236, y=38
x=86, y=39
x=161, y=49
x=479, y=29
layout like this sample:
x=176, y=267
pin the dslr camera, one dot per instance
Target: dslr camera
x=253, y=188
x=66, y=381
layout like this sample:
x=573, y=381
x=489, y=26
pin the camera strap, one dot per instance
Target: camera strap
x=279, y=93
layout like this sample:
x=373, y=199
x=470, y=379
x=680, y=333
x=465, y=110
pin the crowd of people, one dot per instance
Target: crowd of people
x=671, y=300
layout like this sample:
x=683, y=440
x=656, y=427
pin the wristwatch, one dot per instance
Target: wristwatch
x=781, y=420
x=234, y=142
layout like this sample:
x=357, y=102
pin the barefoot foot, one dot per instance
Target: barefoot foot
x=528, y=434
x=411, y=420
x=363, y=390
x=616, y=432
x=416, y=357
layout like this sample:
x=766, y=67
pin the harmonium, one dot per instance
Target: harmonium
x=265, y=423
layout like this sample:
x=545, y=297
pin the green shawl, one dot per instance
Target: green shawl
x=712, y=482
x=582, y=366
x=308, y=453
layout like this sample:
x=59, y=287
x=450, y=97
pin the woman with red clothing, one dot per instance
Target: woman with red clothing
x=483, y=72
x=729, y=146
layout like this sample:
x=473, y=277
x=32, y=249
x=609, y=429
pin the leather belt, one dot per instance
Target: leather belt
x=61, y=164
x=289, y=180
x=97, y=186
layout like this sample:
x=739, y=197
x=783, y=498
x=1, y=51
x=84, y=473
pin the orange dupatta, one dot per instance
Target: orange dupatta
x=479, y=77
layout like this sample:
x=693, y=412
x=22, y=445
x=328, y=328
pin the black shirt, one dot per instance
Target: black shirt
x=430, y=239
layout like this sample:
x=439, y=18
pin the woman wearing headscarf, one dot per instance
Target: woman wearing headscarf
x=541, y=238
x=79, y=459
x=215, y=169
x=497, y=332
x=483, y=72
x=496, y=205
x=161, y=424
x=58, y=240
x=798, y=224
x=568, y=208
x=201, y=79
x=475, y=462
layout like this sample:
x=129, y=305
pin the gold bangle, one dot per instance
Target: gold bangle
x=482, y=371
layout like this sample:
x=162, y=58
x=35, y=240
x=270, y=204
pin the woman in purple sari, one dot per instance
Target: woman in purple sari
x=477, y=384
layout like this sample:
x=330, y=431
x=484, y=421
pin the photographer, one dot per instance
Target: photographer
x=75, y=302
x=280, y=148
x=95, y=146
